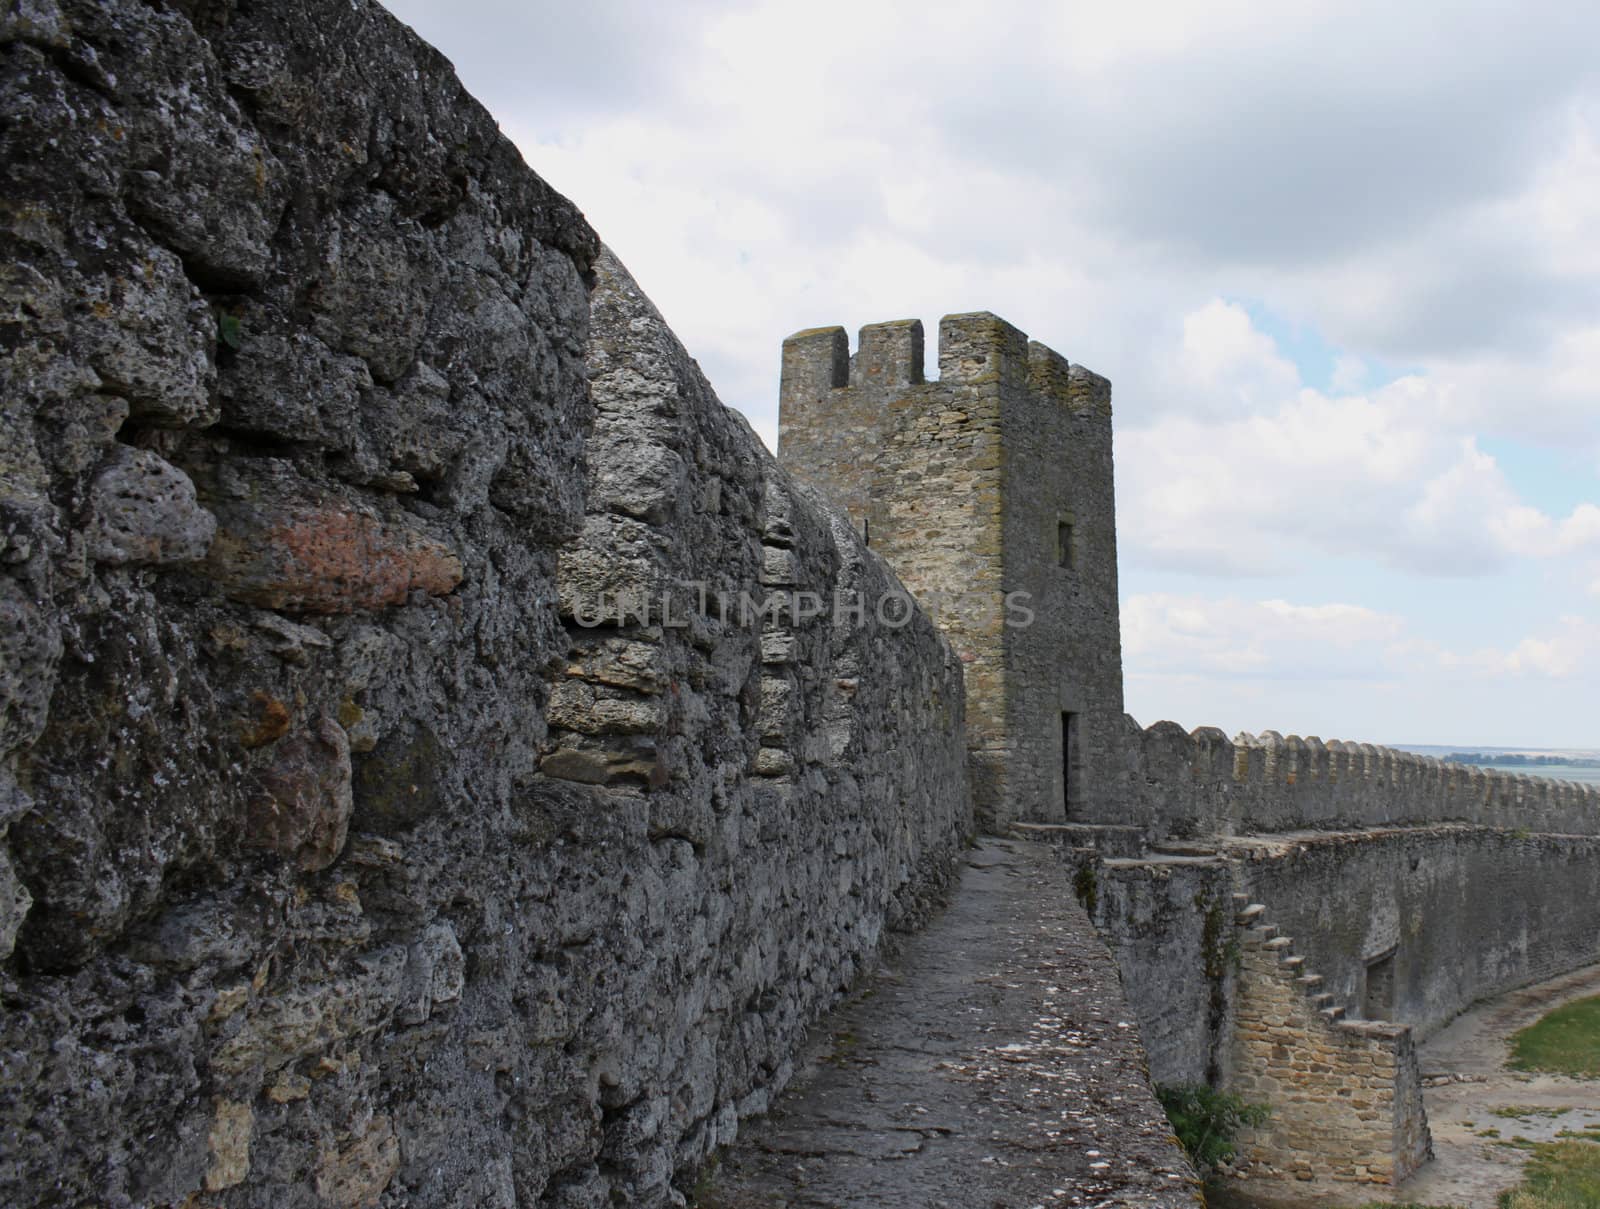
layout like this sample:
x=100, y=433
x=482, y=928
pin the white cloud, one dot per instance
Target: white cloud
x=1350, y=374
x=1222, y=353
x=1384, y=474
x=1570, y=648
x=1094, y=174
x=1234, y=638
x=1230, y=637
x=1346, y=671
x=1419, y=186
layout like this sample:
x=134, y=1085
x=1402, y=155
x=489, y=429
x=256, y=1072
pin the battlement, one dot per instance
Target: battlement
x=1268, y=783
x=815, y=360
x=976, y=348
x=888, y=354
x=980, y=347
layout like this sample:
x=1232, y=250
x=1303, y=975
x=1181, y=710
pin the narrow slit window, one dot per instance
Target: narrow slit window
x=1069, y=752
x=1064, y=552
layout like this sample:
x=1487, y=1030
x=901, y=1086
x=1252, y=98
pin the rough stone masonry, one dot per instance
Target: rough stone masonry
x=344, y=860
x=359, y=846
x=989, y=491
x=993, y=485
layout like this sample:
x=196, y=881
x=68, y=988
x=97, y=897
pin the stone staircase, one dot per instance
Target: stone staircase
x=1252, y=918
x=1345, y=1094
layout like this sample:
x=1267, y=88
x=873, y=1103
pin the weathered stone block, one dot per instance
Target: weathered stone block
x=322, y=555
x=302, y=807
x=144, y=510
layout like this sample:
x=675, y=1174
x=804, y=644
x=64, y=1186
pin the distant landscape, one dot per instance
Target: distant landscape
x=1567, y=763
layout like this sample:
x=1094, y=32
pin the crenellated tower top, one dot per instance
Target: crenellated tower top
x=990, y=483
x=975, y=348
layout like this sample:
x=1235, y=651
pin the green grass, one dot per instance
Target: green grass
x=1560, y=1175
x=1519, y=1110
x=1565, y=1042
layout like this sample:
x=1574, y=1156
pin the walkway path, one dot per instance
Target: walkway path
x=993, y=1065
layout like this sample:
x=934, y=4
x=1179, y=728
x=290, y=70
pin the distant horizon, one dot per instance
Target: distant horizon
x=1498, y=749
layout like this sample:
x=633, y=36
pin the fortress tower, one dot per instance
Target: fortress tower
x=990, y=493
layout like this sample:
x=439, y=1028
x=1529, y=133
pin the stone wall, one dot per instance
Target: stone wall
x=1061, y=550
x=1201, y=783
x=990, y=493
x=1345, y=1095
x=343, y=864
x=917, y=465
x=1394, y=932
x=1475, y=881
x=1463, y=913
x=1224, y=998
x=1168, y=920
x=1458, y=913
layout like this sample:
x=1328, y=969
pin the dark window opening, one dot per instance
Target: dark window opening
x=1378, y=1001
x=1064, y=552
x=1069, y=752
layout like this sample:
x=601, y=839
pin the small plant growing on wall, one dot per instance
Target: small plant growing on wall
x=1085, y=886
x=1206, y=1121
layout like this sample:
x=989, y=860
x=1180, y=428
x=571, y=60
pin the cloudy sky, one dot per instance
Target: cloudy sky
x=1341, y=261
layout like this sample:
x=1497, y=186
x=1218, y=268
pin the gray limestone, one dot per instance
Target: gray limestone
x=339, y=863
x=445, y=760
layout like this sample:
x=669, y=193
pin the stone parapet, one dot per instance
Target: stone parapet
x=1203, y=783
x=348, y=854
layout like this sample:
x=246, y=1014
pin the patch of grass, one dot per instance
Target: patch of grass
x=229, y=330
x=1489, y=1133
x=703, y=1194
x=1561, y=1175
x=1519, y=1110
x=1565, y=1042
x=1206, y=1120
x=1405, y=1205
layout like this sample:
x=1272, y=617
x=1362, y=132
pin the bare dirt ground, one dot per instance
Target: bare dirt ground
x=1464, y=1068
x=1464, y=1065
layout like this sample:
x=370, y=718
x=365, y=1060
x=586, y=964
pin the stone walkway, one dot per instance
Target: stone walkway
x=993, y=1065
